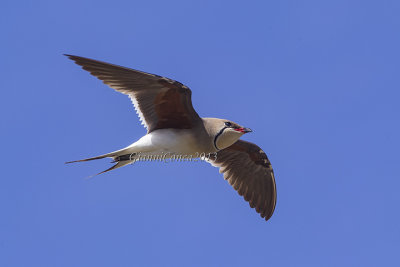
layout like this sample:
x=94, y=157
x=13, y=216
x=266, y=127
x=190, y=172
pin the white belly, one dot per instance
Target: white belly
x=166, y=140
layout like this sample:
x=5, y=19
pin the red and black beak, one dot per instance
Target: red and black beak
x=243, y=130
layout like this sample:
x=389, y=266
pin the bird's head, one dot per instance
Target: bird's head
x=224, y=132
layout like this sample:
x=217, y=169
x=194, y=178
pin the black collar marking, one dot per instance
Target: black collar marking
x=218, y=134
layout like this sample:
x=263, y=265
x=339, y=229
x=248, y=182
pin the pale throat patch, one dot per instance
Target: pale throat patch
x=227, y=138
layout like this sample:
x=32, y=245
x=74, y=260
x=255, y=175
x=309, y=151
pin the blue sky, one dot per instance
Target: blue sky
x=317, y=81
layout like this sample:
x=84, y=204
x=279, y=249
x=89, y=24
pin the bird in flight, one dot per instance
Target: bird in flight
x=173, y=127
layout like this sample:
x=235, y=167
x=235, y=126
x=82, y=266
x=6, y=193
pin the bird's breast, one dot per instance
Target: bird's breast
x=173, y=140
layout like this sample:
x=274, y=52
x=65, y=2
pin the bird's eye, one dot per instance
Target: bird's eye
x=228, y=124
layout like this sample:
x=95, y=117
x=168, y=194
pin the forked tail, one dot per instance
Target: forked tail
x=119, y=157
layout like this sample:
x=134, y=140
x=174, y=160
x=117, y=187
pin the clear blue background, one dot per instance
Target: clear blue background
x=318, y=81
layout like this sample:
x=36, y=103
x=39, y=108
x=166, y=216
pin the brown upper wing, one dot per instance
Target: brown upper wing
x=160, y=102
x=246, y=167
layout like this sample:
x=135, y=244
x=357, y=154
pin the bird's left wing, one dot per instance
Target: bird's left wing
x=246, y=167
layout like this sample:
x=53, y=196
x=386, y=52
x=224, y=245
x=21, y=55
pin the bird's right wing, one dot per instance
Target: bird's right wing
x=246, y=167
x=160, y=102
